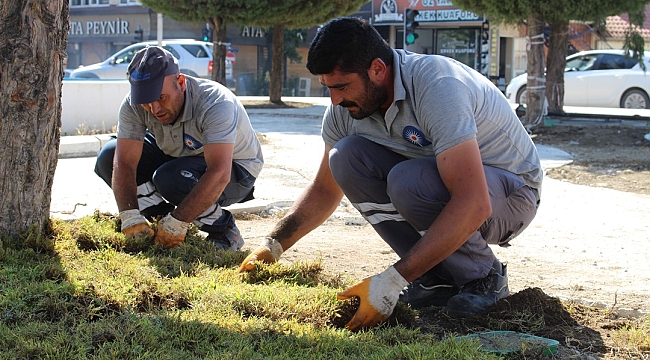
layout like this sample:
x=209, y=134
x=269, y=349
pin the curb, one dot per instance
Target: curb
x=252, y=207
x=89, y=146
x=552, y=157
x=82, y=145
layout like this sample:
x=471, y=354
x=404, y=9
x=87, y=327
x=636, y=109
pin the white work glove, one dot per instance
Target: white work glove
x=377, y=298
x=171, y=232
x=268, y=252
x=134, y=224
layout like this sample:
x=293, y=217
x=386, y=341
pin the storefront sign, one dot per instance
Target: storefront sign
x=386, y=12
x=99, y=28
x=446, y=15
x=250, y=31
x=391, y=12
x=458, y=47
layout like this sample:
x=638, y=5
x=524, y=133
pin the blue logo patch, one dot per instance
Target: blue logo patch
x=191, y=143
x=415, y=136
x=140, y=76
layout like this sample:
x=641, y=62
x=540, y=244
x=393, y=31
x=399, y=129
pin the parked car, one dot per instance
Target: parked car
x=597, y=78
x=194, y=58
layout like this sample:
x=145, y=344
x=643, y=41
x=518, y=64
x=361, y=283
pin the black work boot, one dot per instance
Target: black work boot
x=157, y=211
x=229, y=239
x=477, y=295
x=428, y=290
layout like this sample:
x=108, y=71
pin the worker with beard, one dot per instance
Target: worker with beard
x=429, y=151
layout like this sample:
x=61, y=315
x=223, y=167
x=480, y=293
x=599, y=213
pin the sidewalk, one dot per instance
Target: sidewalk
x=292, y=149
x=89, y=145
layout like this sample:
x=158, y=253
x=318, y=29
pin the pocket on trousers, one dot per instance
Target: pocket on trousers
x=500, y=231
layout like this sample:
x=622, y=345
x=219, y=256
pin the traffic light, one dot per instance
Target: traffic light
x=139, y=36
x=207, y=34
x=409, y=26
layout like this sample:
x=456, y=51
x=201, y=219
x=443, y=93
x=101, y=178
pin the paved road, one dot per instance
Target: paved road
x=292, y=149
x=292, y=146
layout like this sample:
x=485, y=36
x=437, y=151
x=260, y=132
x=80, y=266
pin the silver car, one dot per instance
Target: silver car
x=194, y=58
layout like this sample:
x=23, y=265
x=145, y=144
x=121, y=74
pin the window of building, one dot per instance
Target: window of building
x=460, y=44
x=77, y=3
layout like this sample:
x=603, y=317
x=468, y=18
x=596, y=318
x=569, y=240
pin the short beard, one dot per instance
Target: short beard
x=373, y=97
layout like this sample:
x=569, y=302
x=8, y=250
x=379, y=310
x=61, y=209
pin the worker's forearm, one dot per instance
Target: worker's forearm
x=310, y=210
x=125, y=189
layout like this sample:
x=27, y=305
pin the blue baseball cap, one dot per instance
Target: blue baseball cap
x=147, y=72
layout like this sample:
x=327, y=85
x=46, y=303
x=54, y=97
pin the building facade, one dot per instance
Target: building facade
x=444, y=29
x=99, y=28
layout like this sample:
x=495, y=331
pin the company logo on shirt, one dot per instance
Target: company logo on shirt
x=191, y=143
x=415, y=136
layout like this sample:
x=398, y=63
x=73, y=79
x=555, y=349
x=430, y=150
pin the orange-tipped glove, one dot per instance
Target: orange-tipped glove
x=269, y=252
x=378, y=296
x=134, y=224
x=171, y=232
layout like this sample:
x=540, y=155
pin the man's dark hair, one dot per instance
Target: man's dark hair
x=349, y=45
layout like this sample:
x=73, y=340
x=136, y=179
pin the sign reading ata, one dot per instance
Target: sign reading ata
x=250, y=31
x=113, y=27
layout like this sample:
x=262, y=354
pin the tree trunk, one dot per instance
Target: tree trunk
x=555, y=64
x=275, y=86
x=33, y=40
x=219, y=51
x=535, y=86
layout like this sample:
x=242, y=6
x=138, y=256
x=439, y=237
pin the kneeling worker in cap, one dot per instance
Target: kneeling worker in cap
x=185, y=147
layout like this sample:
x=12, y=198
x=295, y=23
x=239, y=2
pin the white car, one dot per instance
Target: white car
x=597, y=78
x=194, y=58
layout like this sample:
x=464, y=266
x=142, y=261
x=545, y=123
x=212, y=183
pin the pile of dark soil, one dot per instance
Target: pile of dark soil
x=583, y=332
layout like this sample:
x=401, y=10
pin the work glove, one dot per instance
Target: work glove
x=134, y=224
x=377, y=298
x=171, y=232
x=268, y=252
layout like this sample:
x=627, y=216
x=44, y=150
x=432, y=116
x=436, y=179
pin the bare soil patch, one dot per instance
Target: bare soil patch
x=615, y=157
x=611, y=156
x=355, y=251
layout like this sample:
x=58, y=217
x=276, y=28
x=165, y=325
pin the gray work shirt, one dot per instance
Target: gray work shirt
x=438, y=103
x=212, y=115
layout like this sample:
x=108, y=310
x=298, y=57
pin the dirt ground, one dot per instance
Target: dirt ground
x=615, y=157
x=611, y=156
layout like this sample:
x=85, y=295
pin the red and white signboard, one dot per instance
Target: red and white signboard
x=230, y=56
